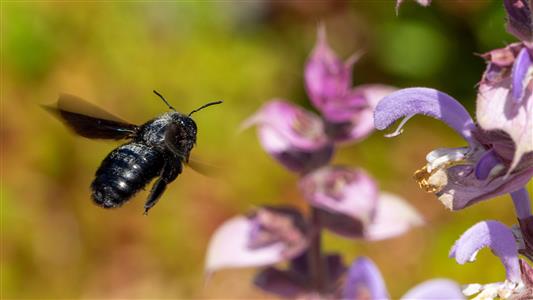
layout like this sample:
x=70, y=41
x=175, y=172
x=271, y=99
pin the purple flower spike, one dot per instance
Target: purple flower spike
x=268, y=236
x=495, y=235
x=435, y=289
x=519, y=22
x=345, y=198
x=364, y=281
x=430, y=102
x=293, y=136
x=520, y=75
x=326, y=76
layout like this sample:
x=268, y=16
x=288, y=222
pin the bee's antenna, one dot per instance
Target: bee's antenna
x=164, y=100
x=204, y=106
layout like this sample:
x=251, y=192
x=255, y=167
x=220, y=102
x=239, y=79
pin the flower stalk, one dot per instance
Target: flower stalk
x=316, y=264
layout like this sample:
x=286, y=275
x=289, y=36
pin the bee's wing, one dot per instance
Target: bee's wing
x=203, y=168
x=171, y=139
x=89, y=120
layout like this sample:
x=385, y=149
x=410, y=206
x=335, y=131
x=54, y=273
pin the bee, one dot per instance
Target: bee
x=157, y=148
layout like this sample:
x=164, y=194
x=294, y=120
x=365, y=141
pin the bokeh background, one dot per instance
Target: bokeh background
x=57, y=244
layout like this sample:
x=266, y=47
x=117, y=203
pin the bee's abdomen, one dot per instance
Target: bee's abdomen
x=124, y=172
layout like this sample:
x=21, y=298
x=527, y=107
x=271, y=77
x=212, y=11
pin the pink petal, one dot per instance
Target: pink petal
x=268, y=236
x=293, y=136
x=352, y=119
x=228, y=247
x=394, y=216
x=326, y=76
x=496, y=110
x=347, y=198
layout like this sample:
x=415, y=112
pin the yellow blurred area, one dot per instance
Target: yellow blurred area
x=57, y=244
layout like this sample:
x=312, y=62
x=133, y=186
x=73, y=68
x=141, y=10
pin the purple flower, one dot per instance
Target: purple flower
x=347, y=111
x=293, y=136
x=459, y=176
x=505, y=103
x=302, y=141
x=266, y=236
x=364, y=281
x=349, y=204
x=499, y=238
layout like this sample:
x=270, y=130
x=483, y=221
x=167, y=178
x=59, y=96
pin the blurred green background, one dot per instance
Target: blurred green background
x=57, y=244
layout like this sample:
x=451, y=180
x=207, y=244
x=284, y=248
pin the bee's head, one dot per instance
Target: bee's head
x=185, y=135
x=188, y=127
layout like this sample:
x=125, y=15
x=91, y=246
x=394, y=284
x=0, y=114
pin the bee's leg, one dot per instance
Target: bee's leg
x=170, y=171
x=157, y=190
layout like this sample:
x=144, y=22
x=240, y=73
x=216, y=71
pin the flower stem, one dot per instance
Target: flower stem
x=316, y=263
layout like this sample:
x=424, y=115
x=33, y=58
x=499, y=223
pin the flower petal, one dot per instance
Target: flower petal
x=495, y=235
x=412, y=101
x=497, y=111
x=519, y=21
x=364, y=281
x=522, y=203
x=293, y=136
x=486, y=164
x=352, y=119
x=435, y=289
x=521, y=76
x=394, y=216
x=299, y=127
x=346, y=198
x=326, y=76
x=268, y=236
x=461, y=188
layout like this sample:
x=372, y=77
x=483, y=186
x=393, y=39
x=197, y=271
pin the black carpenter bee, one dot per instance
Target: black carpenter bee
x=157, y=148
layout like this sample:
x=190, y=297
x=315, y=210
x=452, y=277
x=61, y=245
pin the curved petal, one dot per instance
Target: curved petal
x=495, y=235
x=364, y=281
x=346, y=198
x=394, y=216
x=497, y=111
x=352, y=119
x=522, y=203
x=520, y=74
x=293, y=158
x=519, y=21
x=297, y=126
x=435, y=289
x=486, y=164
x=430, y=102
x=326, y=76
x=293, y=136
x=268, y=236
